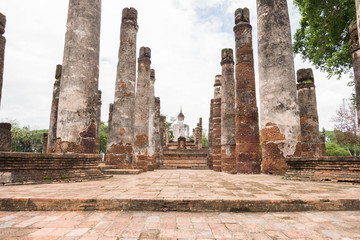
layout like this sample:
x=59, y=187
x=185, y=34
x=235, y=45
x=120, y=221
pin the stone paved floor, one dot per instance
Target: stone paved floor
x=187, y=184
x=179, y=225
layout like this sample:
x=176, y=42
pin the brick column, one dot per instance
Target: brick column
x=199, y=134
x=247, y=119
x=141, y=123
x=120, y=138
x=210, y=136
x=357, y=4
x=309, y=120
x=5, y=137
x=151, y=149
x=228, y=143
x=279, y=112
x=98, y=120
x=162, y=137
x=355, y=54
x=76, y=126
x=217, y=125
x=2, y=50
x=51, y=145
x=111, y=109
x=45, y=142
x=157, y=140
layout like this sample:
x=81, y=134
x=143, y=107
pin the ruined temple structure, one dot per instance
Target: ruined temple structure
x=152, y=127
x=51, y=144
x=180, y=128
x=280, y=128
x=216, y=137
x=141, y=114
x=121, y=122
x=247, y=120
x=77, y=110
x=355, y=54
x=228, y=143
x=197, y=135
x=309, y=120
x=2, y=50
x=158, y=151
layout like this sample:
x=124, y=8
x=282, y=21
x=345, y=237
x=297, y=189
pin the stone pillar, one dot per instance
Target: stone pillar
x=111, y=109
x=141, y=123
x=309, y=120
x=5, y=137
x=151, y=149
x=76, y=126
x=323, y=145
x=194, y=136
x=217, y=125
x=120, y=139
x=2, y=50
x=45, y=142
x=247, y=119
x=51, y=145
x=279, y=112
x=228, y=144
x=156, y=134
x=355, y=54
x=98, y=120
x=210, y=136
x=357, y=4
x=162, y=137
x=199, y=134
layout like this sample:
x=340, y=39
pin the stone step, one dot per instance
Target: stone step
x=166, y=162
x=122, y=171
x=185, y=158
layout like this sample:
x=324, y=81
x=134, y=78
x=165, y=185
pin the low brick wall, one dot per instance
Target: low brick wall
x=334, y=169
x=27, y=168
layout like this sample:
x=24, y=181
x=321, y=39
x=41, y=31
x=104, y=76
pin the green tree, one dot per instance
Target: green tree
x=323, y=37
x=205, y=141
x=104, y=129
x=333, y=149
x=25, y=140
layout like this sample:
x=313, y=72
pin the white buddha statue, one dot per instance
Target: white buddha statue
x=181, y=129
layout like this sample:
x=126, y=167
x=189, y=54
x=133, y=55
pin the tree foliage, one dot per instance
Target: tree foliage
x=323, y=37
x=345, y=123
x=26, y=140
x=104, y=129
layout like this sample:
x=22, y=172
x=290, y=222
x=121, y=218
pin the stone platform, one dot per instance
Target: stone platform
x=185, y=158
x=184, y=190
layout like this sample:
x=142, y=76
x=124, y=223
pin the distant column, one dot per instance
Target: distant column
x=217, y=125
x=98, y=120
x=210, y=136
x=247, y=118
x=157, y=139
x=2, y=49
x=151, y=149
x=228, y=143
x=120, y=139
x=309, y=120
x=199, y=142
x=76, y=126
x=279, y=112
x=355, y=54
x=111, y=109
x=5, y=137
x=45, y=142
x=141, y=124
x=51, y=144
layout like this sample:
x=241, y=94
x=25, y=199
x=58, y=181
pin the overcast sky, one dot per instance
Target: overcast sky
x=185, y=36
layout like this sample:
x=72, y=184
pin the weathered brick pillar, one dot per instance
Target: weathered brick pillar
x=2, y=49
x=120, y=139
x=162, y=137
x=210, y=136
x=228, y=143
x=156, y=136
x=309, y=120
x=357, y=4
x=111, y=109
x=323, y=145
x=151, y=149
x=5, y=137
x=45, y=142
x=355, y=54
x=279, y=112
x=199, y=134
x=51, y=145
x=98, y=120
x=76, y=126
x=217, y=125
x=141, y=123
x=247, y=118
